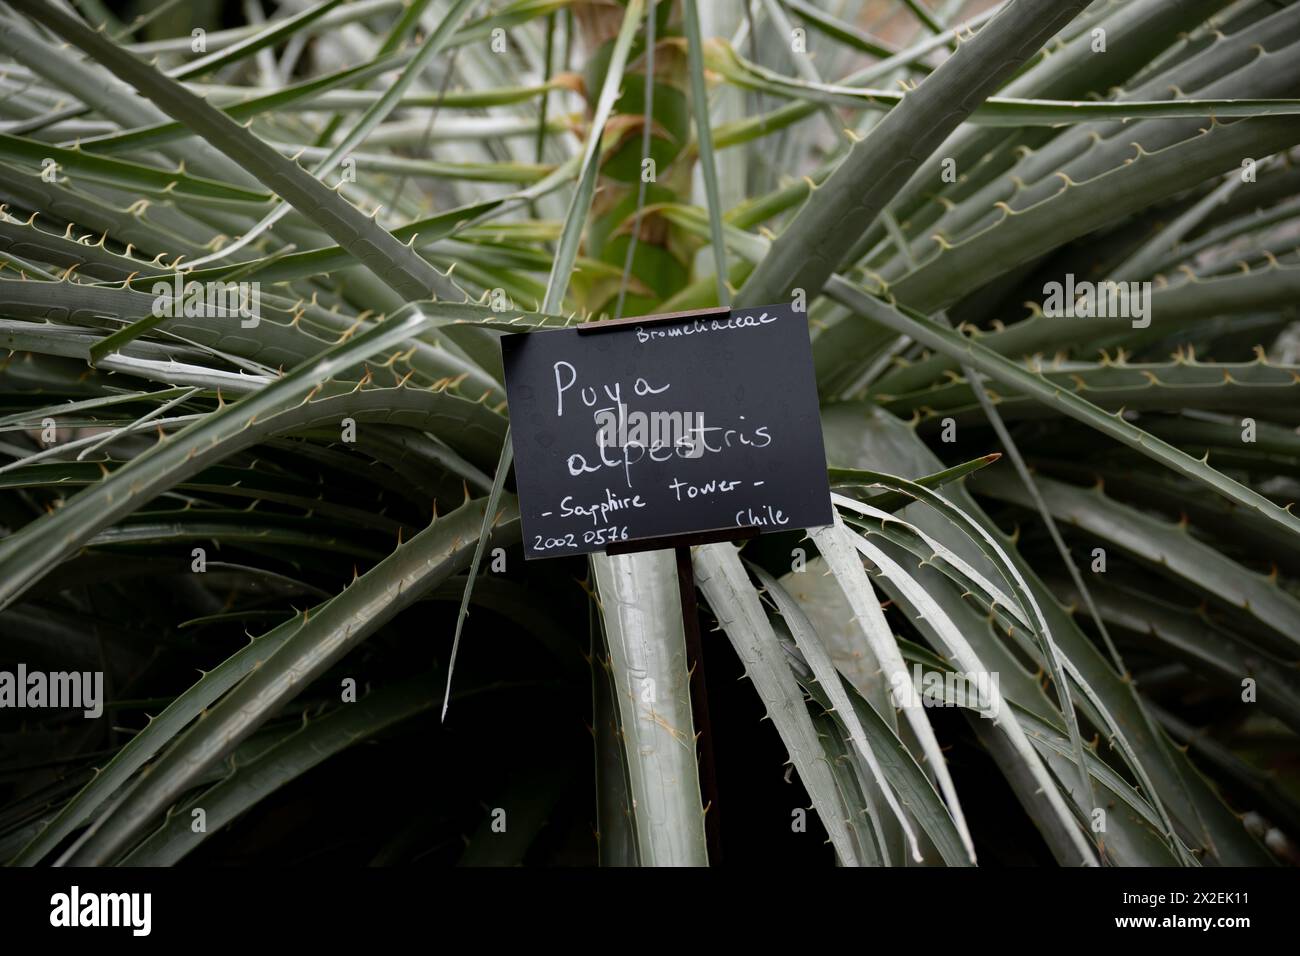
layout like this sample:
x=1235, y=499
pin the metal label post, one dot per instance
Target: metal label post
x=681, y=546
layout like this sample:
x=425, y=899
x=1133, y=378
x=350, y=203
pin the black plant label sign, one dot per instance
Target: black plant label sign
x=662, y=427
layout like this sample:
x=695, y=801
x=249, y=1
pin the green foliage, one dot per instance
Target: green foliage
x=303, y=490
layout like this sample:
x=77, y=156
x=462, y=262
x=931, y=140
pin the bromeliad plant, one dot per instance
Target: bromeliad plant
x=253, y=423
